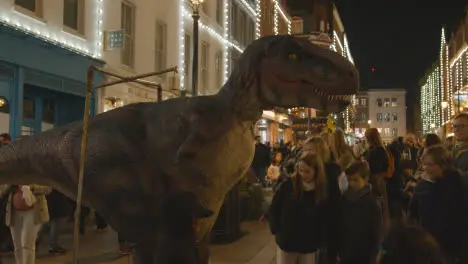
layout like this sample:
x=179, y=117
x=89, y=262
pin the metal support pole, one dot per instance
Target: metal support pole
x=196, y=18
x=84, y=140
x=136, y=77
x=159, y=88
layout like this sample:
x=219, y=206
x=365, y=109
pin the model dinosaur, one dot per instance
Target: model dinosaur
x=139, y=153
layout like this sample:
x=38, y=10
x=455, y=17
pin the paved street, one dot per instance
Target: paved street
x=255, y=247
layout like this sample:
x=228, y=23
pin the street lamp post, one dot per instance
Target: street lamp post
x=196, y=17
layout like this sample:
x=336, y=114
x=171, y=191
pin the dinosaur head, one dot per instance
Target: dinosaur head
x=293, y=72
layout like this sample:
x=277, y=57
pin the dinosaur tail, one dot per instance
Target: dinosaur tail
x=32, y=159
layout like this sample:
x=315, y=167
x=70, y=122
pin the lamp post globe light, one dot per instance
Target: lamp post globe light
x=195, y=4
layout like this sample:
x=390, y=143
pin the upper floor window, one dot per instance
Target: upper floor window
x=380, y=130
x=73, y=15
x=128, y=25
x=205, y=52
x=31, y=6
x=363, y=101
x=386, y=102
x=355, y=101
x=394, y=117
x=187, y=60
x=394, y=132
x=394, y=102
x=386, y=131
x=364, y=117
x=219, y=11
x=379, y=117
x=379, y=102
x=387, y=117
x=160, y=46
x=219, y=69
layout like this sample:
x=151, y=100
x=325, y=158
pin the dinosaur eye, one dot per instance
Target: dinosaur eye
x=292, y=57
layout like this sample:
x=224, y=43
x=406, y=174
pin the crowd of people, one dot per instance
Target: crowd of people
x=399, y=203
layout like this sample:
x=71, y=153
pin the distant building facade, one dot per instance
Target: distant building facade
x=361, y=117
x=444, y=87
x=387, y=112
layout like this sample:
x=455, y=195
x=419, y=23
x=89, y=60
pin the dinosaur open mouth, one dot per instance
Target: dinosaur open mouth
x=346, y=98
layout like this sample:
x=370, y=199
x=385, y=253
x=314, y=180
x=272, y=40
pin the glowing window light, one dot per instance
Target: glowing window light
x=60, y=38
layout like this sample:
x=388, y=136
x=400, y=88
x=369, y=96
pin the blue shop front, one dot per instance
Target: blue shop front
x=41, y=85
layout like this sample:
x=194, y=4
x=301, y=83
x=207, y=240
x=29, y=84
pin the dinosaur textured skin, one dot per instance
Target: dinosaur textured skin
x=139, y=153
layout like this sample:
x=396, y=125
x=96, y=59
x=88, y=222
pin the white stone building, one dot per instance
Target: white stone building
x=159, y=35
x=387, y=112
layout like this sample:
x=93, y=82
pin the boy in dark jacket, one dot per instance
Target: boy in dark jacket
x=362, y=218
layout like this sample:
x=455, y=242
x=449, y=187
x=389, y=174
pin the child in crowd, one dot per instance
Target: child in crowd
x=297, y=212
x=362, y=218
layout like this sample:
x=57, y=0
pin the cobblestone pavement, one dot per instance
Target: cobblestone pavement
x=256, y=246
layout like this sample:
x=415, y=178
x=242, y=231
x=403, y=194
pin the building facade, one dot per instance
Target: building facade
x=387, y=112
x=444, y=88
x=361, y=117
x=47, y=47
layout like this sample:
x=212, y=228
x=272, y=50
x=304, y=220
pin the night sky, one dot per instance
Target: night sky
x=400, y=39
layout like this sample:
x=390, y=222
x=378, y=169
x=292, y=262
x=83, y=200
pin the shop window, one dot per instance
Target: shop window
x=364, y=117
x=29, y=108
x=394, y=132
x=48, y=111
x=73, y=15
x=4, y=105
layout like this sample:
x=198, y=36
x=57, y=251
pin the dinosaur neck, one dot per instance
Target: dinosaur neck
x=242, y=99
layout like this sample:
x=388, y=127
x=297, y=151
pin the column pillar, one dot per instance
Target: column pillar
x=16, y=106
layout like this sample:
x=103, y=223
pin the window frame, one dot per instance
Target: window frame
x=204, y=65
x=219, y=69
x=128, y=36
x=187, y=60
x=160, y=51
x=38, y=13
x=81, y=13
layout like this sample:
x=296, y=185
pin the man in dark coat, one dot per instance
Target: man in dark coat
x=261, y=161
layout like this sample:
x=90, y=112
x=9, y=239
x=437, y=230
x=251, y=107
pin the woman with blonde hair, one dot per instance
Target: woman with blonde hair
x=341, y=151
x=318, y=146
x=297, y=211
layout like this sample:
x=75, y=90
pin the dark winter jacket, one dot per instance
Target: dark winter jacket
x=58, y=205
x=298, y=224
x=262, y=157
x=442, y=209
x=361, y=225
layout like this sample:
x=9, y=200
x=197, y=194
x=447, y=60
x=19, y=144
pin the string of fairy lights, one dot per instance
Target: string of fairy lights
x=92, y=45
x=445, y=81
